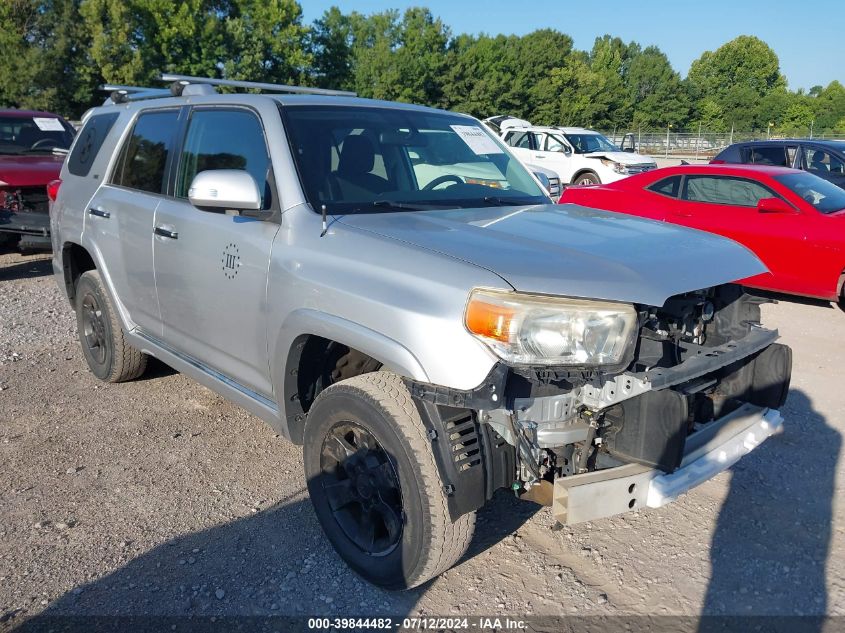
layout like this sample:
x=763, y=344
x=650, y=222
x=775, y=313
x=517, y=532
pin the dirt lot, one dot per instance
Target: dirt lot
x=158, y=497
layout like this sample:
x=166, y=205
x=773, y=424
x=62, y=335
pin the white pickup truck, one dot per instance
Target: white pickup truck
x=579, y=156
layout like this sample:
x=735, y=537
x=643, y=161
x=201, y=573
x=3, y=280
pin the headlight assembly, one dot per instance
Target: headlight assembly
x=619, y=168
x=525, y=329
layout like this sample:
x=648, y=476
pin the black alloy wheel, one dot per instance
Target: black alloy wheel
x=362, y=488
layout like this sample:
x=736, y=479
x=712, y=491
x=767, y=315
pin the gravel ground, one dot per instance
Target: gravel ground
x=159, y=497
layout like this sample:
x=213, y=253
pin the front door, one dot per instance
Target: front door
x=211, y=267
x=824, y=163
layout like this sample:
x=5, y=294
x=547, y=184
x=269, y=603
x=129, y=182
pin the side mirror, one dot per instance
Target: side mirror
x=222, y=189
x=628, y=144
x=774, y=205
x=544, y=180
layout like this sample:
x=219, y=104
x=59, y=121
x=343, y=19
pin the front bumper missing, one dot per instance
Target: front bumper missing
x=711, y=450
x=25, y=222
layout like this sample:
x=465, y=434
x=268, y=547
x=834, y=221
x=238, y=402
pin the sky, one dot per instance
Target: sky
x=807, y=36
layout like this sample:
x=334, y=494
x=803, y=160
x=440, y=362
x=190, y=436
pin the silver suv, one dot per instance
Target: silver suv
x=386, y=285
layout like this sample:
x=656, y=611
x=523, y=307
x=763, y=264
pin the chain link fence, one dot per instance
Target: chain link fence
x=702, y=145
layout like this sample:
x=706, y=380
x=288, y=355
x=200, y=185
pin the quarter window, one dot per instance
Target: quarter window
x=89, y=143
x=224, y=139
x=724, y=190
x=667, y=186
x=143, y=159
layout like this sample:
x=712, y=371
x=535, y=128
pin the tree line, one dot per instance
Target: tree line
x=58, y=51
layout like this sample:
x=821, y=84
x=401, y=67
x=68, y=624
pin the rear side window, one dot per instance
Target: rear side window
x=143, y=158
x=224, y=139
x=519, y=139
x=724, y=190
x=769, y=155
x=89, y=143
x=668, y=186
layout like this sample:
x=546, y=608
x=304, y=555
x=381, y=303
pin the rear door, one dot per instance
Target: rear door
x=119, y=218
x=211, y=266
x=727, y=205
x=555, y=153
x=521, y=144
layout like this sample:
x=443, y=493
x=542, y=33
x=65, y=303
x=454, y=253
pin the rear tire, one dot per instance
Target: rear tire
x=375, y=486
x=104, y=346
x=587, y=178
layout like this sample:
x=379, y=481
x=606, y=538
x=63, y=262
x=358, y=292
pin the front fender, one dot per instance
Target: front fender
x=303, y=322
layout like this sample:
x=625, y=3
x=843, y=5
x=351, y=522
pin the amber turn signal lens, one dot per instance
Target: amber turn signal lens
x=489, y=320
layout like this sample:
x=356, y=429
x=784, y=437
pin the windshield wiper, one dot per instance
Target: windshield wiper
x=409, y=206
x=508, y=202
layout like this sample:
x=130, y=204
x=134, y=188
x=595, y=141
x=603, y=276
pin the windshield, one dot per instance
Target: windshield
x=361, y=159
x=590, y=142
x=33, y=135
x=823, y=195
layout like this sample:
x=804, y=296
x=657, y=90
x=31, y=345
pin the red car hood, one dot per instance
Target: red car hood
x=29, y=171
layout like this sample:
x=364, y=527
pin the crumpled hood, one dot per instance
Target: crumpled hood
x=29, y=171
x=626, y=158
x=572, y=250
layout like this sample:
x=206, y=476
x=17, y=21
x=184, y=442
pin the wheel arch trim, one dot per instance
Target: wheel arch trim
x=305, y=322
x=581, y=172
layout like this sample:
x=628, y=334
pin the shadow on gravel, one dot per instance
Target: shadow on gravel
x=36, y=267
x=245, y=575
x=771, y=543
x=156, y=369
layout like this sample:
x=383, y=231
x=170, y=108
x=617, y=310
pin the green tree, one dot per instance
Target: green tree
x=117, y=48
x=44, y=46
x=711, y=116
x=736, y=76
x=263, y=40
x=656, y=93
x=829, y=106
x=331, y=40
x=797, y=118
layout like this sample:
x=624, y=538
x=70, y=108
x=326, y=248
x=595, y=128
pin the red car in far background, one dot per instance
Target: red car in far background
x=794, y=221
x=33, y=146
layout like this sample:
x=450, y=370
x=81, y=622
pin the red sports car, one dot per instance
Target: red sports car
x=794, y=221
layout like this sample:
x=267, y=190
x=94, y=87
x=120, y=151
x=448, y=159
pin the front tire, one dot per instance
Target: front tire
x=375, y=486
x=110, y=358
x=587, y=178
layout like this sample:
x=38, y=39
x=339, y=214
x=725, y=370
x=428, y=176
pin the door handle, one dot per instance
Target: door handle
x=159, y=230
x=100, y=213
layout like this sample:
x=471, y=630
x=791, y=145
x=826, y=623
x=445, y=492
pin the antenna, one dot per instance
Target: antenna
x=325, y=224
x=233, y=83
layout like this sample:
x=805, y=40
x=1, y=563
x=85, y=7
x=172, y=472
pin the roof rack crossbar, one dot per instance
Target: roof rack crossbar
x=122, y=88
x=124, y=94
x=233, y=83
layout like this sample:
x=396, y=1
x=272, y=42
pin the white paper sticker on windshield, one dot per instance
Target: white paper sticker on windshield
x=48, y=124
x=478, y=141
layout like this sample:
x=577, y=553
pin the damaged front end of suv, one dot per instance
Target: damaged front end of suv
x=632, y=405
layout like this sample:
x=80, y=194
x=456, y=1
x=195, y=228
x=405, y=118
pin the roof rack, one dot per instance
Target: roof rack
x=122, y=94
x=185, y=80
